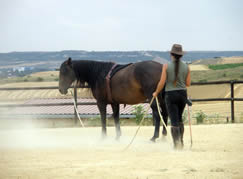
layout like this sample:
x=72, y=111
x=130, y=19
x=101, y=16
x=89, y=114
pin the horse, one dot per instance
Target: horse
x=127, y=84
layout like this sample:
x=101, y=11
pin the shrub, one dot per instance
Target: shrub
x=203, y=80
x=184, y=115
x=139, y=113
x=200, y=117
x=39, y=79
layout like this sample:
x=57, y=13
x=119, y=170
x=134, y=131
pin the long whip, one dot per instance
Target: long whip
x=189, y=121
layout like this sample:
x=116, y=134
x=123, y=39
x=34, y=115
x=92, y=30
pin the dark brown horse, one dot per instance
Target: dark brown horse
x=132, y=84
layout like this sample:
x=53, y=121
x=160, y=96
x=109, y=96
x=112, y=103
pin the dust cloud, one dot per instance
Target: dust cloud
x=80, y=153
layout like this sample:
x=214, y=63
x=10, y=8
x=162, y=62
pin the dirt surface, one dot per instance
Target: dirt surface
x=79, y=153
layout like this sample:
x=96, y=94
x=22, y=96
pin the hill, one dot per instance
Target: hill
x=51, y=60
x=219, y=60
x=24, y=63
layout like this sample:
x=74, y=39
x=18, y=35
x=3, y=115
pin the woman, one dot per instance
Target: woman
x=177, y=77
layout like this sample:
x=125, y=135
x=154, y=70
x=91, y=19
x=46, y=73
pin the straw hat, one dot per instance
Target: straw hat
x=177, y=49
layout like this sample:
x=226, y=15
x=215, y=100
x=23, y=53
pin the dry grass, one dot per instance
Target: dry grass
x=198, y=67
x=45, y=74
x=19, y=95
x=199, y=72
x=221, y=60
x=29, y=84
x=230, y=60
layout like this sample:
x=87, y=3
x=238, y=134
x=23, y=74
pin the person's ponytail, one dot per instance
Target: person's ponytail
x=177, y=60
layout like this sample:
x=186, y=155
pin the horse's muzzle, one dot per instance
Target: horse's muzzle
x=63, y=91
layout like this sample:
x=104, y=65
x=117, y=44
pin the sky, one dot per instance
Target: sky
x=120, y=25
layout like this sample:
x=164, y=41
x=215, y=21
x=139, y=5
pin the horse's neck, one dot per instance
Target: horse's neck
x=91, y=71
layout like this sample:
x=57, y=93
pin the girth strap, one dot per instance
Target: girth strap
x=108, y=85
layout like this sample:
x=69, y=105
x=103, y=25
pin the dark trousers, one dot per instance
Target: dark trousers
x=175, y=103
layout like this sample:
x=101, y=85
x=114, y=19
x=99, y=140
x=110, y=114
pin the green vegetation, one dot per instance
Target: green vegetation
x=224, y=66
x=218, y=75
x=185, y=115
x=39, y=79
x=139, y=113
x=200, y=117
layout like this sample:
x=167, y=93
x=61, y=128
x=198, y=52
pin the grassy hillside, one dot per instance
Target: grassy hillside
x=200, y=73
x=220, y=73
x=225, y=66
x=219, y=60
x=47, y=76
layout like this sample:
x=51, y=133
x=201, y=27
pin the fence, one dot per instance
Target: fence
x=232, y=99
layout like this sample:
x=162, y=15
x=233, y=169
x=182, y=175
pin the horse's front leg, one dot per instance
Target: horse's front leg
x=116, y=113
x=102, y=109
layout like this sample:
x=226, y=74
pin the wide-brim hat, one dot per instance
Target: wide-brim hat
x=177, y=49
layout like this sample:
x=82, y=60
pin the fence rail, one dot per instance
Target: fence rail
x=232, y=99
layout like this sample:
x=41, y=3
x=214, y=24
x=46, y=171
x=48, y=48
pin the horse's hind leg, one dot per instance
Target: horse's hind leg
x=156, y=119
x=116, y=112
x=102, y=109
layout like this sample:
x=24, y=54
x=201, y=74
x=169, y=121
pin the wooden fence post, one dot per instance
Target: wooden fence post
x=232, y=102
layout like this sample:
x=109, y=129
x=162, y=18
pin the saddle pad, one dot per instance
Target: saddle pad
x=118, y=68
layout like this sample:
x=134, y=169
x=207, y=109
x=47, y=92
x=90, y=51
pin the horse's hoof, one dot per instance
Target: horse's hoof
x=164, y=133
x=103, y=137
x=153, y=139
x=118, y=138
x=178, y=146
x=163, y=139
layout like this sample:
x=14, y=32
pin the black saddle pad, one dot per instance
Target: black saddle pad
x=118, y=68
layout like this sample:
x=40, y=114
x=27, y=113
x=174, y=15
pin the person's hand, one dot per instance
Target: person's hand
x=155, y=94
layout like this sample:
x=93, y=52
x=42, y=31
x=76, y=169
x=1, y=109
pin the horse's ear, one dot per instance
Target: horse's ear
x=69, y=61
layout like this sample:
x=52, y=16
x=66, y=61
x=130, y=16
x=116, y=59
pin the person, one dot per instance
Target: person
x=177, y=76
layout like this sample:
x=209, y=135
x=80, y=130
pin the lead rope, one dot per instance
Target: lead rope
x=75, y=107
x=143, y=120
x=160, y=114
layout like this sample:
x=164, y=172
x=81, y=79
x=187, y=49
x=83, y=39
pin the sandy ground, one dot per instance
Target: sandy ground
x=79, y=153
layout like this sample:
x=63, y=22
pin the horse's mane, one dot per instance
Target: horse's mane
x=92, y=72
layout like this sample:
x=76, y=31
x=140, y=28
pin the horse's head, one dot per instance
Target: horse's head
x=66, y=76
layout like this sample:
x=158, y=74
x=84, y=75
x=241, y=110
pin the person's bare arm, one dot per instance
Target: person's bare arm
x=162, y=81
x=188, y=78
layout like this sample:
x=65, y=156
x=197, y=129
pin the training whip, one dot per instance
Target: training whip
x=189, y=121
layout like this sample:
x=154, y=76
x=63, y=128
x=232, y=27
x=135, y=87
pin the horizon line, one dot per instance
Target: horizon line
x=48, y=51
